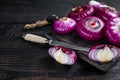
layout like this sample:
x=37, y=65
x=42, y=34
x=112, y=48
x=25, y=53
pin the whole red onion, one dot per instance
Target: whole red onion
x=97, y=4
x=106, y=13
x=81, y=12
x=112, y=31
x=104, y=53
x=63, y=55
x=90, y=28
x=64, y=25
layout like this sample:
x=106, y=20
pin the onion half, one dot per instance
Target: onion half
x=90, y=28
x=104, y=53
x=63, y=55
x=81, y=12
x=64, y=25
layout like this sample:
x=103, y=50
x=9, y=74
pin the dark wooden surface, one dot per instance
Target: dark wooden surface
x=21, y=60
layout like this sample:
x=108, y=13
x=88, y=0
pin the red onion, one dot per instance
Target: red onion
x=106, y=13
x=81, y=12
x=90, y=28
x=97, y=4
x=112, y=31
x=103, y=11
x=63, y=55
x=104, y=53
x=64, y=25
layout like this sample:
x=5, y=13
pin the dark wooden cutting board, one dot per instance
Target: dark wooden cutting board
x=74, y=39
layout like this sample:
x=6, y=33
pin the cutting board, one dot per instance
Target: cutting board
x=74, y=39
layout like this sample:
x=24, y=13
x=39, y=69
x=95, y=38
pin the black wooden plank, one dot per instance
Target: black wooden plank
x=17, y=61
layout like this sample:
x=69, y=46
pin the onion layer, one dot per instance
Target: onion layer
x=90, y=28
x=64, y=25
x=104, y=53
x=81, y=12
x=63, y=55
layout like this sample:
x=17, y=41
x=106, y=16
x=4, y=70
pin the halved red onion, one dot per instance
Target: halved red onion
x=90, y=28
x=104, y=53
x=112, y=31
x=63, y=55
x=81, y=12
x=64, y=25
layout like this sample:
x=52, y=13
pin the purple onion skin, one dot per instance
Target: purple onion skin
x=112, y=31
x=64, y=25
x=106, y=14
x=87, y=34
x=76, y=15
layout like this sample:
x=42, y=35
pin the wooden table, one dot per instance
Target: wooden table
x=21, y=60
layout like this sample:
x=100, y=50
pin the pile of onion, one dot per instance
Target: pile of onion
x=104, y=53
x=91, y=22
x=63, y=55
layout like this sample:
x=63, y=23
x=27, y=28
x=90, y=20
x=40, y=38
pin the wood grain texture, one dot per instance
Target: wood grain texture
x=21, y=60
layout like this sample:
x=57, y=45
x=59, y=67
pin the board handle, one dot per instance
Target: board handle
x=35, y=38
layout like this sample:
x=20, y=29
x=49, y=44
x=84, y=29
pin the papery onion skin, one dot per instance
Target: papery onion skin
x=94, y=53
x=70, y=54
x=112, y=31
x=88, y=33
x=64, y=25
x=81, y=12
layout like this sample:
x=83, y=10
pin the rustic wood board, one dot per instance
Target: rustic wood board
x=74, y=39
